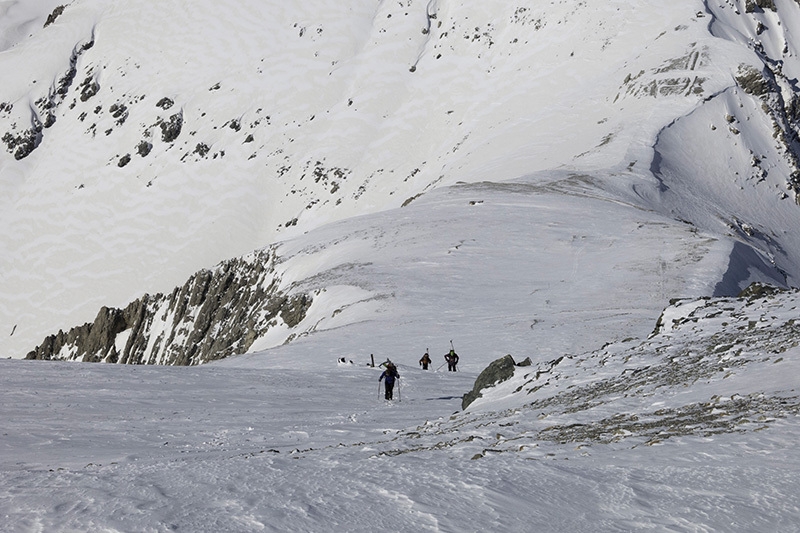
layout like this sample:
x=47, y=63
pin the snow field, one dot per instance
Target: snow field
x=519, y=259
x=569, y=171
x=224, y=449
x=340, y=127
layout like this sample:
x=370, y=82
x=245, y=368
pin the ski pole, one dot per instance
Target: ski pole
x=379, y=390
x=399, y=397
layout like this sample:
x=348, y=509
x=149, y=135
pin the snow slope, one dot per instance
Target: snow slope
x=168, y=138
x=544, y=261
x=693, y=429
x=525, y=179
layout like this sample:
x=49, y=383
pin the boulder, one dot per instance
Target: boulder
x=498, y=371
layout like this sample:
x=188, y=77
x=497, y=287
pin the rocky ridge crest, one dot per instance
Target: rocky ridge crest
x=214, y=314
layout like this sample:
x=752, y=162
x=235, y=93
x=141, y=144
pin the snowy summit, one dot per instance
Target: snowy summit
x=239, y=206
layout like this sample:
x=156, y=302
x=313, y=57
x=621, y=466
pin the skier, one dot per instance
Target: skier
x=390, y=374
x=452, y=360
x=425, y=361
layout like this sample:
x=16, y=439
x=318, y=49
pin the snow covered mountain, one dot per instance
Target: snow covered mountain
x=272, y=187
x=145, y=143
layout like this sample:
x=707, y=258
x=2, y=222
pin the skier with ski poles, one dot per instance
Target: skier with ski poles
x=452, y=359
x=389, y=376
x=425, y=361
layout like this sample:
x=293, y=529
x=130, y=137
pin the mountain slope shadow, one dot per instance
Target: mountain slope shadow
x=746, y=266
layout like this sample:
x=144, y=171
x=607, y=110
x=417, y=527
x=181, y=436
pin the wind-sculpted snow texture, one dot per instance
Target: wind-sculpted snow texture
x=693, y=429
x=712, y=366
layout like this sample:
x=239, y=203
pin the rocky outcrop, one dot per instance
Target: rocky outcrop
x=498, y=371
x=758, y=6
x=216, y=313
x=777, y=92
x=171, y=128
x=57, y=12
x=760, y=290
x=22, y=142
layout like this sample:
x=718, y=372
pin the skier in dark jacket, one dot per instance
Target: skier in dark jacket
x=452, y=360
x=391, y=375
x=425, y=361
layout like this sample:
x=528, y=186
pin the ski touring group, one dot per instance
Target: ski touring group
x=390, y=375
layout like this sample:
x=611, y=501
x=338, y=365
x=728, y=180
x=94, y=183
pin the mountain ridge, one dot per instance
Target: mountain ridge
x=587, y=187
x=216, y=313
x=181, y=167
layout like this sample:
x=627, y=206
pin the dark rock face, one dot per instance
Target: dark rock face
x=165, y=103
x=780, y=102
x=753, y=82
x=758, y=6
x=144, y=148
x=759, y=290
x=57, y=12
x=171, y=129
x=498, y=371
x=216, y=313
x=25, y=142
x=202, y=149
x=88, y=88
x=45, y=110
